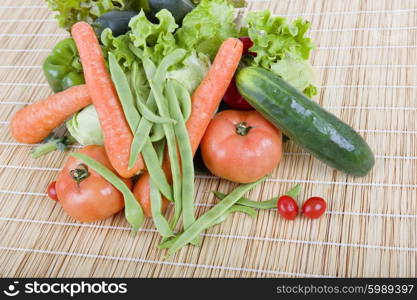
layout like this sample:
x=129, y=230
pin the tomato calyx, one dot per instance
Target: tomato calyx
x=243, y=128
x=80, y=173
x=293, y=193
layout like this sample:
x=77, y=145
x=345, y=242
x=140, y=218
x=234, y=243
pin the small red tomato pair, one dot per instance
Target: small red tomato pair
x=313, y=208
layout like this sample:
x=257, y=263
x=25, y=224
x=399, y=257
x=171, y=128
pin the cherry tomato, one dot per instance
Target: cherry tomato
x=241, y=146
x=247, y=44
x=314, y=207
x=52, y=191
x=287, y=207
x=234, y=99
x=83, y=193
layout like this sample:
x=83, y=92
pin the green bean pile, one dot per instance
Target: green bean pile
x=158, y=122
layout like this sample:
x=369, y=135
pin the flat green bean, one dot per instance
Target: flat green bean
x=144, y=127
x=209, y=217
x=171, y=59
x=184, y=99
x=267, y=204
x=157, y=133
x=186, y=154
x=160, y=150
x=134, y=79
x=133, y=211
x=126, y=98
x=141, y=81
x=155, y=171
x=235, y=208
x=125, y=94
x=156, y=84
x=146, y=112
x=167, y=243
x=158, y=218
x=152, y=117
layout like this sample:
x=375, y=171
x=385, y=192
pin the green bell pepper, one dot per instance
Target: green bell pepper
x=62, y=68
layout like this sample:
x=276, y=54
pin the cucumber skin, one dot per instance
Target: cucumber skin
x=321, y=133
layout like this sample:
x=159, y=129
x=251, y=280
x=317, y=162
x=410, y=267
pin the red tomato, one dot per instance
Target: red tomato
x=234, y=99
x=241, y=146
x=287, y=207
x=92, y=198
x=142, y=193
x=314, y=207
x=52, y=191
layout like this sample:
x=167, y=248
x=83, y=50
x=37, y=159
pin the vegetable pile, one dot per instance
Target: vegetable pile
x=138, y=85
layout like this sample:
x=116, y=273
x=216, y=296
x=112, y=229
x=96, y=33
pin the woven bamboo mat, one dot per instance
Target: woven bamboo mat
x=366, y=63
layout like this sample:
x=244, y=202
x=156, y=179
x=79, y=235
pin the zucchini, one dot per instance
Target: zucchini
x=305, y=122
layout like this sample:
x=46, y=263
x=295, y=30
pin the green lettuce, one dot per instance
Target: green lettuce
x=299, y=73
x=155, y=40
x=119, y=46
x=282, y=47
x=192, y=71
x=158, y=40
x=207, y=26
x=72, y=11
x=84, y=126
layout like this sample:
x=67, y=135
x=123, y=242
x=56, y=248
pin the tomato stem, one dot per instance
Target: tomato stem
x=293, y=193
x=242, y=128
x=80, y=173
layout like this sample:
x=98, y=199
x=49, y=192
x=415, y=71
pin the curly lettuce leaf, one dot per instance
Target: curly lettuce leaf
x=73, y=11
x=282, y=47
x=158, y=40
x=119, y=46
x=207, y=26
x=297, y=72
x=155, y=40
x=275, y=39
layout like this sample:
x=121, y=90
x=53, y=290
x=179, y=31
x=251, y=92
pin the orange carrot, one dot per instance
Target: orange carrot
x=205, y=101
x=117, y=134
x=35, y=122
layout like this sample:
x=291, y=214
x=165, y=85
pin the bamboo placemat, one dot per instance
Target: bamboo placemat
x=366, y=63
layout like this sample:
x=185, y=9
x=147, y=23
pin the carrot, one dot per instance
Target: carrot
x=205, y=101
x=35, y=122
x=116, y=131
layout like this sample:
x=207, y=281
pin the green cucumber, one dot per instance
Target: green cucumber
x=305, y=122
